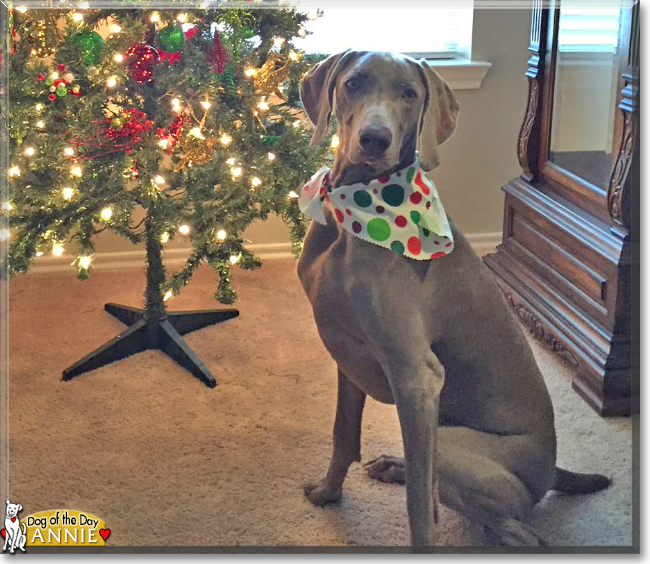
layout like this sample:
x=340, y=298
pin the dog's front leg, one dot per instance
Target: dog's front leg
x=416, y=388
x=347, y=443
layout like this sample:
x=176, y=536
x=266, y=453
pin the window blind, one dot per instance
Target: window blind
x=584, y=30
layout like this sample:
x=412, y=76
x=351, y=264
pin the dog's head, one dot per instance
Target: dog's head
x=13, y=508
x=385, y=105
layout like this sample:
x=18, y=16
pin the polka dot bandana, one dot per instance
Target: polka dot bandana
x=401, y=211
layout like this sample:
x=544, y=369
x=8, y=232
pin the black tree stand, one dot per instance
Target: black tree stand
x=153, y=327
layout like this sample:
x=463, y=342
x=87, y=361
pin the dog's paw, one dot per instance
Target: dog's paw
x=388, y=469
x=319, y=494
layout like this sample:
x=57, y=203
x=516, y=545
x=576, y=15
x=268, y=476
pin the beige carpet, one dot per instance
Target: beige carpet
x=167, y=461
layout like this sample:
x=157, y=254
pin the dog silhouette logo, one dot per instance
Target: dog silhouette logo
x=15, y=532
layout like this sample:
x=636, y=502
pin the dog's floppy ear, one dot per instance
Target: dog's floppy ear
x=439, y=116
x=20, y=507
x=317, y=91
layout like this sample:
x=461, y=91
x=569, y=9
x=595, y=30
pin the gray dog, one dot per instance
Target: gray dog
x=435, y=337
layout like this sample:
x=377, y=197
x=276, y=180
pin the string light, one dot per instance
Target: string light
x=182, y=18
x=77, y=16
x=234, y=259
x=6, y=206
x=111, y=82
x=76, y=171
x=54, y=75
x=236, y=172
x=164, y=237
x=159, y=180
x=14, y=171
x=39, y=107
x=84, y=262
x=225, y=140
x=115, y=28
x=221, y=235
x=296, y=123
x=69, y=151
x=163, y=143
x=168, y=295
x=40, y=124
x=39, y=253
x=196, y=132
x=184, y=229
x=206, y=105
x=255, y=182
x=118, y=57
x=30, y=151
x=293, y=56
x=293, y=195
x=278, y=42
x=67, y=193
x=176, y=102
x=249, y=72
x=231, y=161
x=106, y=213
x=271, y=156
x=57, y=249
x=302, y=32
x=21, y=9
x=263, y=105
x=154, y=17
x=335, y=142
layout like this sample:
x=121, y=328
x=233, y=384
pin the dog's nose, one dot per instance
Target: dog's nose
x=375, y=140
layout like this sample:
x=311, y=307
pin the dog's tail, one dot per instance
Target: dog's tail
x=574, y=483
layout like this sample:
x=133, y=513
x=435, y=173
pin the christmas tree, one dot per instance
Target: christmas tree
x=154, y=124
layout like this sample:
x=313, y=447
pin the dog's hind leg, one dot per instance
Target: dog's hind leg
x=347, y=443
x=479, y=478
x=389, y=469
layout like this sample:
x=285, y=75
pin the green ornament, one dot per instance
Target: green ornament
x=61, y=90
x=91, y=44
x=171, y=38
x=49, y=80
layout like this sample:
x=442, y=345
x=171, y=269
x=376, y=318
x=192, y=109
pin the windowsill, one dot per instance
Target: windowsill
x=461, y=74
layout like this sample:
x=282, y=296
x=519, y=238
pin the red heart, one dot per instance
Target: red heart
x=4, y=534
x=13, y=519
x=104, y=533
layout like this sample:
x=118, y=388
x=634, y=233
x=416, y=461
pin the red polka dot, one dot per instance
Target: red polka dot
x=437, y=242
x=306, y=187
x=342, y=196
x=436, y=255
x=421, y=184
x=448, y=244
x=356, y=226
x=416, y=197
x=380, y=209
x=384, y=178
x=339, y=215
x=348, y=212
x=400, y=221
x=327, y=197
x=428, y=205
x=414, y=246
x=374, y=190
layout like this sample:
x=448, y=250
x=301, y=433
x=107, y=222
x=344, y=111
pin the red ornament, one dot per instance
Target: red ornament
x=52, y=96
x=141, y=58
x=61, y=67
x=134, y=171
x=41, y=76
x=218, y=55
x=131, y=132
x=169, y=57
x=191, y=32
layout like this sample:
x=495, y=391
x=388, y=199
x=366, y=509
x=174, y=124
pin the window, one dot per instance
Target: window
x=440, y=33
x=588, y=30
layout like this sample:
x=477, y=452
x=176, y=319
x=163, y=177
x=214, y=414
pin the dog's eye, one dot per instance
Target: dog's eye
x=353, y=84
x=410, y=94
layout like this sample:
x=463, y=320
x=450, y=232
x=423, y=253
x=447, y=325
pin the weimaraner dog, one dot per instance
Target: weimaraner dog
x=434, y=337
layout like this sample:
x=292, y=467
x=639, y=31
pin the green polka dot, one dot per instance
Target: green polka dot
x=393, y=194
x=415, y=216
x=425, y=231
x=378, y=229
x=362, y=198
x=397, y=247
x=410, y=174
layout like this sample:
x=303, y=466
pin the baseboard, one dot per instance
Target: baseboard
x=483, y=243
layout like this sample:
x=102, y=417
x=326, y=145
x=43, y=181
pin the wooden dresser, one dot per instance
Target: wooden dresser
x=568, y=262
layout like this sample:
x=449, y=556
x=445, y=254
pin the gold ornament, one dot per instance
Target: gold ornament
x=42, y=35
x=272, y=74
x=196, y=150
